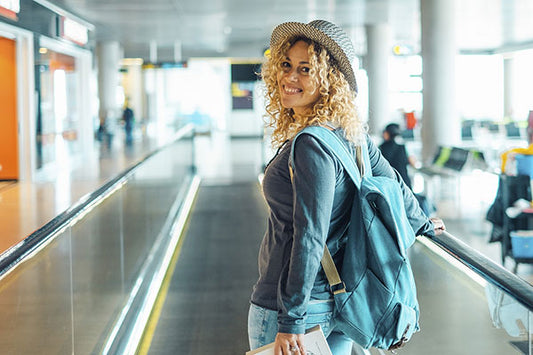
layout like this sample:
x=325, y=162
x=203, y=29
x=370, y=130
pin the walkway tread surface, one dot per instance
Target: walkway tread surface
x=206, y=308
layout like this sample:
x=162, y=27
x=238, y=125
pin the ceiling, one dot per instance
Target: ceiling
x=241, y=28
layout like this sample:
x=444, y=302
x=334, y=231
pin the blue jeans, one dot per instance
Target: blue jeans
x=263, y=326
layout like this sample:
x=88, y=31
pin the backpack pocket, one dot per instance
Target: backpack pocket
x=397, y=326
x=357, y=314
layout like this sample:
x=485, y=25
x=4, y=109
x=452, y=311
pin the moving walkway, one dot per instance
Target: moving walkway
x=157, y=262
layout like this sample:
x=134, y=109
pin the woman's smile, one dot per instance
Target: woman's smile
x=291, y=90
x=298, y=87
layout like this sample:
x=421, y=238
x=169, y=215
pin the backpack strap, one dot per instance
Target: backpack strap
x=363, y=159
x=338, y=149
x=356, y=168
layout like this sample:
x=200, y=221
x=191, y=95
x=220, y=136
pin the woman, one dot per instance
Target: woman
x=309, y=81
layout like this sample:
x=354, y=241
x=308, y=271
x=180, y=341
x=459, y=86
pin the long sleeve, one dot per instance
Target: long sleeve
x=313, y=183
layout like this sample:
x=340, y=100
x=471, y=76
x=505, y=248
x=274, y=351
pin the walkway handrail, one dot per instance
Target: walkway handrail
x=44, y=235
x=492, y=272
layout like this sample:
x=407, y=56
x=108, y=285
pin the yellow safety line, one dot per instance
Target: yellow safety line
x=146, y=340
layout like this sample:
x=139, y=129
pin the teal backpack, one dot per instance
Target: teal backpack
x=375, y=294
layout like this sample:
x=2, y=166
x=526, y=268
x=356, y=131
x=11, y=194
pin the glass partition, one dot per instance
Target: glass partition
x=74, y=294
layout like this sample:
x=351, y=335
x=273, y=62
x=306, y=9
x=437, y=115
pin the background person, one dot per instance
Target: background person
x=398, y=158
x=396, y=153
x=128, y=118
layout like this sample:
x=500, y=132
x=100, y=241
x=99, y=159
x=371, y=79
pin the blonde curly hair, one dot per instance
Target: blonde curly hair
x=335, y=105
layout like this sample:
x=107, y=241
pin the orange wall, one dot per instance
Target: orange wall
x=8, y=111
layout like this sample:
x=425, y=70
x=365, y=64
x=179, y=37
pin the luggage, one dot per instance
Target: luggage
x=522, y=243
x=524, y=165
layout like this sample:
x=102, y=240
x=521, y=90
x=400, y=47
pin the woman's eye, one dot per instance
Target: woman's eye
x=285, y=65
x=305, y=70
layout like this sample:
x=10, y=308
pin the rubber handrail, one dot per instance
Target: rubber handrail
x=496, y=274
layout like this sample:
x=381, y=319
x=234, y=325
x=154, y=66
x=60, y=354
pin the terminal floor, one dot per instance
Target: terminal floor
x=206, y=305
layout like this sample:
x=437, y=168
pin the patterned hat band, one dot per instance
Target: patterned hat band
x=327, y=34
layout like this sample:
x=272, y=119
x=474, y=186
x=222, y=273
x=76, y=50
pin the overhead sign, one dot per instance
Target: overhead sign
x=73, y=31
x=10, y=8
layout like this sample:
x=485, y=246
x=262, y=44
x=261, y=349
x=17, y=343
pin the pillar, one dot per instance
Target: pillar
x=108, y=56
x=377, y=68
x=440, y=122
x=508, y=87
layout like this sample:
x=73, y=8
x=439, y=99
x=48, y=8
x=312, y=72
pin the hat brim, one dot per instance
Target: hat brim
x=296, y=29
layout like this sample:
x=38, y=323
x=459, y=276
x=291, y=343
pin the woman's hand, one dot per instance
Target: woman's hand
x=438, y=225
x=289, y=344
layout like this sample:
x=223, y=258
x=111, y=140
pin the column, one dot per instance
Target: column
x=377, y=68
x=440, y=123
x=109, y=56
x=508, y=87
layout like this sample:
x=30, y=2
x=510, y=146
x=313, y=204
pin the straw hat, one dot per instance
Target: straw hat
x=329, y=35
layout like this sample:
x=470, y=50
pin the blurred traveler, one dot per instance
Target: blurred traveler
x=396, y=153
x=128, y=118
